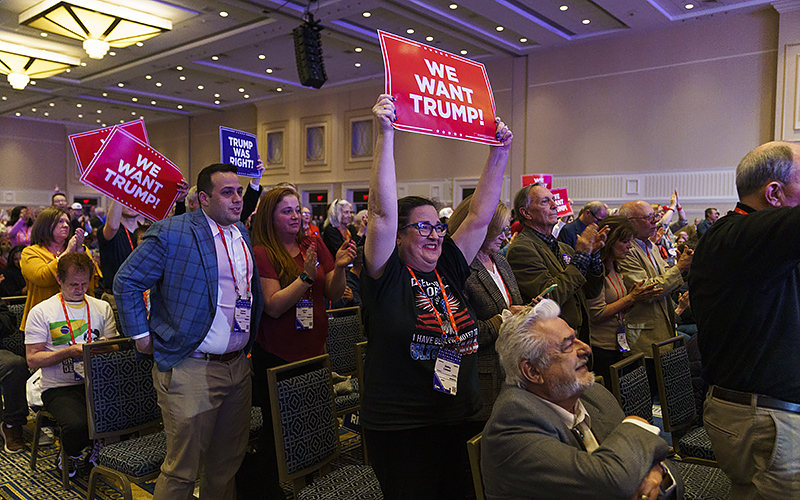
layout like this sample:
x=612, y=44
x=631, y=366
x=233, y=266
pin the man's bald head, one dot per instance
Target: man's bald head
x=641, y=215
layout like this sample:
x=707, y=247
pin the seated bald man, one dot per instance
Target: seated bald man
x=554, y=433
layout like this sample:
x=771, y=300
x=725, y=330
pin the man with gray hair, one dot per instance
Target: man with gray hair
x=554, y=433
x=745, y=291
x=592, y=213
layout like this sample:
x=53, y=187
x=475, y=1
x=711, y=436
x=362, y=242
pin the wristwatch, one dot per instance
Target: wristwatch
x=305, y=278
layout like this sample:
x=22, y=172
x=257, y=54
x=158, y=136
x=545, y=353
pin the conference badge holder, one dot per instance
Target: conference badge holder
x=622, y=340
x=305, y=314
x=241, y=316
x=445, y=372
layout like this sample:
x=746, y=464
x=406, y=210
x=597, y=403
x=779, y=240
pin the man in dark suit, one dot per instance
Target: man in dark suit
x=538, y=260
x=205, y=306
x=554, y=434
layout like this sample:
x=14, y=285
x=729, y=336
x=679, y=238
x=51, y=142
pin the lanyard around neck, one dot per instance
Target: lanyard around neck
x=230, y=262
x=451, y=318
x=69, y=324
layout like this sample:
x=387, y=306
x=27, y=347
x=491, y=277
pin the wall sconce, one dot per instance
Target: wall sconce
x=20, y=63
x=99, y=24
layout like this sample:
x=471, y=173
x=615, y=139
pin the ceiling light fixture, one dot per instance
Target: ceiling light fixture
x=279, y=89
x=148, y=77
x=80, y=115
x=366, y=14
x=99, y=24
x=134, y=99
x=523, y=40
x=20, y=64
x=563, y=8
x=410, y=31
x=181, y=78
x=453, y=6
x=689, y=6
x=358, y=49
x=215, y=58
x=179, y=68
x=158, y=84
x=358, y=65
x=262, y=56
x=247, y=96
x=216, y=95
x=429, y=38
x=180, y=106
x=269, y=70
x=586, y=21
x=216, y=102
x=200, y=87
x=139, y=44
x=153, y=103
x=223, y=14
x=120, y=84
x=499, y=28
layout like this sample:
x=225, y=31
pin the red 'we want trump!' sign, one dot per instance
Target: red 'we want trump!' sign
x=134, y=174
x=438, y=93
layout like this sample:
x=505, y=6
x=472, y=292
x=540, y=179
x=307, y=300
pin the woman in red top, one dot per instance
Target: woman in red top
x=297, y=274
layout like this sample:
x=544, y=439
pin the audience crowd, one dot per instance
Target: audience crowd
x=479, y=318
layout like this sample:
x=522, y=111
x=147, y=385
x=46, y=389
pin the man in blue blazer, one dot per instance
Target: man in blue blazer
x=205, y=303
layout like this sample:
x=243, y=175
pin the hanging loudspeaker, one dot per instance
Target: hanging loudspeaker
x=308, y=52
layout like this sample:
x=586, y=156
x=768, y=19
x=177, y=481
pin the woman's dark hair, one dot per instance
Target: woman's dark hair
x=11, y=253
x=407, y=204
x=621, y=228
x=45, y=224
x=13, y=217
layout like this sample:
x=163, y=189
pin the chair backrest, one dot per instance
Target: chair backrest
x=344, y=331
x=16, y=341
x=303, y=416
x=361, y=355
x=631, y=388
x=674, y=383
x=120, y=396
x=474, y=451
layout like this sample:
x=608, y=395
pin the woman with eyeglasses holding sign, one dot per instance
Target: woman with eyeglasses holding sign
x=421, y=377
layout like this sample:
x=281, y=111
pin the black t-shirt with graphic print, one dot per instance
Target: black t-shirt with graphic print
x=404, y=339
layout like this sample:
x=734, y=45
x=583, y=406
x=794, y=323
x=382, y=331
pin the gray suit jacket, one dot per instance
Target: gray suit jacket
x=536, y=268
x=487, y=303
x=654, y=320
x=527, y=452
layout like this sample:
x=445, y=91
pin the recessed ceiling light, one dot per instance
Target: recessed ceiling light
x=499, y=28
x=223, y=14
x=158, y=84
x=17, y=113
x=563, y=8
x=99, y=111
x=180, y=106
x=83, y=64
x=52, y=104
x=112, y=53
x=429, y=38
x=105, y=94
x=523, y=40
x=247, y=96
x=69, y=70
x=463, y=52
x=122, y=121
x=358, y=65
x=216, y=102
x=79, y=105
x=99, y=120
x=80, y=116
x=241, y=89
x=453, y=6
x=181, y=78
x=279, y=89
x=120, y=84
x=269, y=70
x=133, y=113
x=148, y=77
x=141, y=117
x=139, y=44
x=689, y=6
x=46, y=113
x=43, y=34
x=366, y=14
x=104, y=124
x=200, y=87
x=33, y=109
x=216, y=95
x=262, y=56
x=153, y=103
x=586, y=21
x=214, y=58
x=134, y=99
x=5, y=98
x=179, y=68
x=410, y=31
x=33, y=82
x=358, y=49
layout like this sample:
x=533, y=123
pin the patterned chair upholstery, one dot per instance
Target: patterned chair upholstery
x=122, y=400
x=344, y=331
x=306, y=434
x=635, y=394
x=703, y=483
x=16, y=341
x=678, y=404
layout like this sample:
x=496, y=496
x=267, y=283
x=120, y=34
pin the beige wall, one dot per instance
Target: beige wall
x=695, y=96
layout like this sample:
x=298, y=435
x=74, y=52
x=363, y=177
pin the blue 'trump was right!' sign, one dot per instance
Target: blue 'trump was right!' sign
x=240, y=149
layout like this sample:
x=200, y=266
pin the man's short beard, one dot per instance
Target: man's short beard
x=561, y=389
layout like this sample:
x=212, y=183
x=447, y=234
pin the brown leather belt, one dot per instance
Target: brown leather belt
x=216, y=357
x=746, y=398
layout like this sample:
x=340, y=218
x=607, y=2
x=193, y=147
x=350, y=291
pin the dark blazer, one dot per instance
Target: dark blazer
x=536, y=268
x=177, y=261
x=487, y=303
x=527, y=451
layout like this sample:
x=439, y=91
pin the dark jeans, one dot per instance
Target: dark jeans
x=68, y=406
x=13, y=375
x=423, y=463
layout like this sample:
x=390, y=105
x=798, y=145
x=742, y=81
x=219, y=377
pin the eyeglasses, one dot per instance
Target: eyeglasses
x=426, y=228
x=649, y=218
x=506, y=232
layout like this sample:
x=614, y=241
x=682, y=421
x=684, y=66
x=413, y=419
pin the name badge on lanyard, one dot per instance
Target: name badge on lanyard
x=445, y=372
x=305, y=314
x=622, y=340
x=241, y=316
